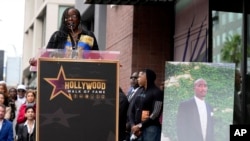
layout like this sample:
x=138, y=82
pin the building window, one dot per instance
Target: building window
x=230, y=17
x=230, y=33
x=223, y=18
x=224, y=36
x=239, y=30
x=218, y=40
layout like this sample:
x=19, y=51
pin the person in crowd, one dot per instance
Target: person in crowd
x=134, y=86
x=13, y=94
x=27, y=130
x=195, y=116
x=6, y=132
x=21, y=99
x=13, y=101
x=21, y=91
x=123, y=107
x=10, y=106
x=30, y=101
x=3, y=100
x=4, y=89
x=146, y=109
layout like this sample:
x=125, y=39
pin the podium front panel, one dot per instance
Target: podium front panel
x=77, y=100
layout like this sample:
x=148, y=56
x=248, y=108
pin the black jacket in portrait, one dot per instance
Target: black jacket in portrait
x=188, y=122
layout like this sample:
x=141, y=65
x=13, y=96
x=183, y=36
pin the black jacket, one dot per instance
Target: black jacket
x=59, y=38
x=123, y=107
x=149, y=99
x=23, y=134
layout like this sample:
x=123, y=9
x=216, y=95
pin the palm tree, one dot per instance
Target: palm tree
x=231, y=51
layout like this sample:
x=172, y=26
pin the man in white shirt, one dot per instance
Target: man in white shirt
x=195, y=116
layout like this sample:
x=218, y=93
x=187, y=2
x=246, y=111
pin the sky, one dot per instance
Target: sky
x=12, y=27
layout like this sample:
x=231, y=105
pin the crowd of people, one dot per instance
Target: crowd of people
x=17, y=110
x=140, y=110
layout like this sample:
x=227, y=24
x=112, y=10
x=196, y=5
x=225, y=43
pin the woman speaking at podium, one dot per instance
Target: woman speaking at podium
x=71, y=35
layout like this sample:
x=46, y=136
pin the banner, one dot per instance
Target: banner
x=198, y=101
x=77, y=100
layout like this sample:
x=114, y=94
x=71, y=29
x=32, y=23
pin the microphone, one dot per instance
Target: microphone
x=74, y=53
x=71, y=27
x=70, y=24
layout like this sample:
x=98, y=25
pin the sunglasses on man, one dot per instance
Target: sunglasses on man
x=21, y=91
x=133, y=77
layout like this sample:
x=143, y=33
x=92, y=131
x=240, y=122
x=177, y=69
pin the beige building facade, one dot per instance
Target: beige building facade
x=42, y=18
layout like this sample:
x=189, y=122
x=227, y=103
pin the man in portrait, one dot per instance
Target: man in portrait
x=195, y=116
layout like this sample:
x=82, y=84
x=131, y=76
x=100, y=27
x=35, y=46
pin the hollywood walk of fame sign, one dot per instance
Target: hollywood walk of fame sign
x=77, y=100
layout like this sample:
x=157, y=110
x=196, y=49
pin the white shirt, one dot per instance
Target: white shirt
x=30, y=129
x=202, y=108
x=21, y=100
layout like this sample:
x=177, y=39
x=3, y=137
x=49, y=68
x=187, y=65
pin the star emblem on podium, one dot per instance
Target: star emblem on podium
x=59, y=117
x=58, y=84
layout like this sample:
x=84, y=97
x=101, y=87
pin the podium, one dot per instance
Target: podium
x=77, y=96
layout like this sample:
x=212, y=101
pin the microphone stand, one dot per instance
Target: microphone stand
x=74, y=53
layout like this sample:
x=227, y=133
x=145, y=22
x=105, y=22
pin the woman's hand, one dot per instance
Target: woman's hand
x=33, y=62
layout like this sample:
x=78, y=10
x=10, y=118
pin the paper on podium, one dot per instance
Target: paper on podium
x=75, y=54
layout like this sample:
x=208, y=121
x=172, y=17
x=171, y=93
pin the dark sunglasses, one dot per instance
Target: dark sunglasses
x=133, y=77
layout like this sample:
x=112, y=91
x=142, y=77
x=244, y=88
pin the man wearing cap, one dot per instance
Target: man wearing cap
x=21, y=90
x=21, y=98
